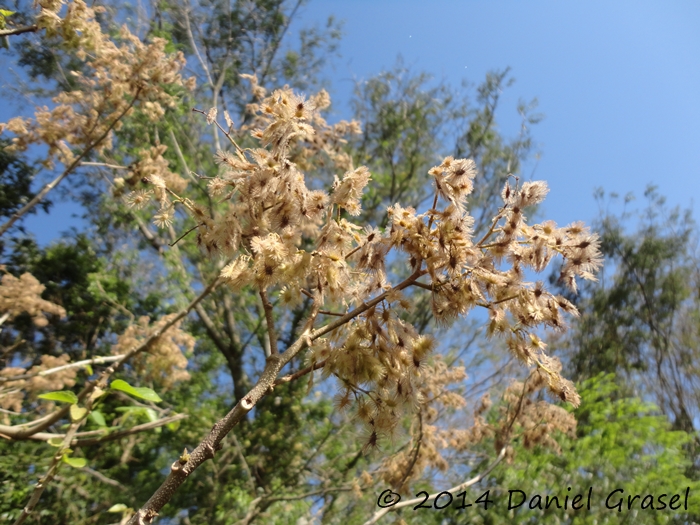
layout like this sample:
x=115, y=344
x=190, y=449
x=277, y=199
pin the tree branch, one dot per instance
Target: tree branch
x=95, y=361
x=183, y=468
x=19, y=30
x=26, y=430
x=271, y=332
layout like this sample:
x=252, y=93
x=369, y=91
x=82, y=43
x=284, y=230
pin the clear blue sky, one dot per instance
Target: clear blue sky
x=618, y=82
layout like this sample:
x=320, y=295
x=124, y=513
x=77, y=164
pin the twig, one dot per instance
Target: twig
x=24, y=431
x=326, y=312
x=241, y=456
x=19, y=30
x=78, y=442
x=300, y=373
x=129, y=431
x=239, y=151
x=102, y=477
x=50, y=473
x=271, y=332
x=185, y=234
x=95, y=361
x=377, y=515
x=419, y=284
x=105, y=165
x=415, y=454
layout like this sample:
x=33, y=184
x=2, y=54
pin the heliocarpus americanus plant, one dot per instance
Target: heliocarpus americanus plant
x=283, y=237
x=282, y=234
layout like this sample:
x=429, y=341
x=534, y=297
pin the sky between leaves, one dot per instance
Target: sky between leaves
x=618, y=83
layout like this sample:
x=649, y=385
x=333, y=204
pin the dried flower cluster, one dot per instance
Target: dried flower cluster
x=115, y=79
x=13, y=393
x=379, y=358
x=164, y=363
x=23, y=295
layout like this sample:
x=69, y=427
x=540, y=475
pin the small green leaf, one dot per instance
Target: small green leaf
x=89, y=369
x=77, y=413
x=98, y=418
x=151, y=415
x=63, y=396
x=5, y=12
x=174, y=426
x=141, y=392
x=119, y=507
x=75, y=462
x=55, y=442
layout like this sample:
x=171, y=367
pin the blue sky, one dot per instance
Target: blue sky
x=618, y=82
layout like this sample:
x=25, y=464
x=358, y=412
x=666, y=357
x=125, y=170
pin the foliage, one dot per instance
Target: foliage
x=624, y=444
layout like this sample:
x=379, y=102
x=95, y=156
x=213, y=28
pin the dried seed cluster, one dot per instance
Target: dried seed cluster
x=379, y=358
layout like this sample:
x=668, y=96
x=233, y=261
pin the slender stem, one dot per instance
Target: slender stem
x=24, y=431
x=185, y=234
x=326, y=312
x=416, y=452
x=300, y=373
x=85, y=362
x=85, y=439
x=105, y=165
x=423, y=285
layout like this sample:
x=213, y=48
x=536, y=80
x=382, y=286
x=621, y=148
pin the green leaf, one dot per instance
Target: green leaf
x=75, y=462
x=89, y=369
x=98, y=418
x=5, y=12
x=63, y=396
x=119, y=507
x=55, y=441
x=151, y=415
x=77, y=413
x=140, y=392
